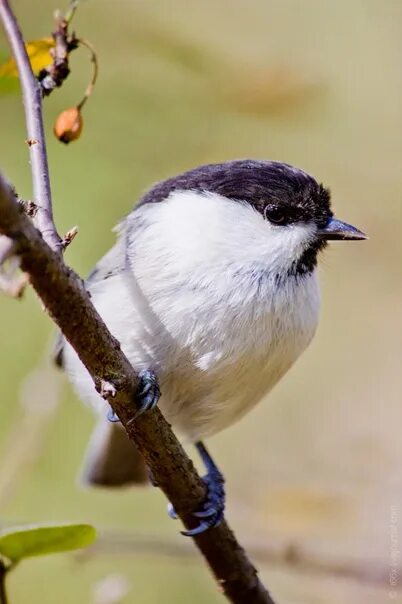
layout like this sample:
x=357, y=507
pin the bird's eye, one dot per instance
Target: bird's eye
x=275, y=215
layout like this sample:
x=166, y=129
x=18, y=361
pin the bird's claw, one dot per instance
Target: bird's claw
x=205, y=513
x=112, y=417
x=171, y=512
x=213, y=507
x=148, y=395
x=148, y=392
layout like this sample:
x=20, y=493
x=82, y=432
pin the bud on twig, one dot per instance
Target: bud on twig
x=69, y=236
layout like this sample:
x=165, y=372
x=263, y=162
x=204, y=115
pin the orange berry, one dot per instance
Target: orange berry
x=68, y=125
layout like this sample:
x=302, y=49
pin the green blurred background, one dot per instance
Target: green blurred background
x=313, y=476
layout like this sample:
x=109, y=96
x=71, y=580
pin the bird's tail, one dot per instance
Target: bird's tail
x=112, y=460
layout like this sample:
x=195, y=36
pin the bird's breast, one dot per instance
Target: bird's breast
x=231, y=353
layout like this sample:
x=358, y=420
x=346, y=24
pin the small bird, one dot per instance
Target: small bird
x=211, y=287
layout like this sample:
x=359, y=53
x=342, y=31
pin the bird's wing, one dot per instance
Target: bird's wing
x=111, y=264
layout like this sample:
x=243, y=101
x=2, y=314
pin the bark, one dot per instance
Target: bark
x=67, y=302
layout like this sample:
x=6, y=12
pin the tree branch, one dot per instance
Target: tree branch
x=66, y=300
x=32, y=99
x=68, y=303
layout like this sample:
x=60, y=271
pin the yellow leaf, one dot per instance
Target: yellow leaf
x=39, y=56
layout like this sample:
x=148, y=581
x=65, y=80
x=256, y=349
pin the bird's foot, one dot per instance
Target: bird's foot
x=148, y=394
x=212, y=508
x=112, y=417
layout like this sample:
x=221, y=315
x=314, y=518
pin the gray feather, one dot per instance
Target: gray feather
x=111, y=264
x=112, y=459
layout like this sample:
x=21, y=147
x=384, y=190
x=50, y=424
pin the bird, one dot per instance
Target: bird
x=211, y=289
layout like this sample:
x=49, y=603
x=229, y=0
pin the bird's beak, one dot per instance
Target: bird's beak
x=336, y=229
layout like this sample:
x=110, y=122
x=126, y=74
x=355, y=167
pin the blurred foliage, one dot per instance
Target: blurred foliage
x=316, y=84
x=39, y=540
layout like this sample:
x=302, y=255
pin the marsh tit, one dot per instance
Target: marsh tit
x=211, y=287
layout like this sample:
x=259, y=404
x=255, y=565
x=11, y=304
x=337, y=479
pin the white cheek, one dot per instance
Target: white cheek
x=285, y=244
x=192, y=231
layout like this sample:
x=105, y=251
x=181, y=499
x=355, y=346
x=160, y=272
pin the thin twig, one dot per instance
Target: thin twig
x=53, y=76
x=32, y=99
x=94, y=60
x=3, y=573
x=71, y=11
x=68, y=303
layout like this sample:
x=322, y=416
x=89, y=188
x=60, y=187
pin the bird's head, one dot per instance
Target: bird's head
x=290, y=209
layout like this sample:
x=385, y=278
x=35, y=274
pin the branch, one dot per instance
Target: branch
x=67, y=302
x=54, y=75
x=32, y=99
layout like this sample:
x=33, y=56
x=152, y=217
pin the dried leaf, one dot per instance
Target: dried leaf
x=39, y=56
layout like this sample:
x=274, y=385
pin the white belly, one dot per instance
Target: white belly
x=214, y=360
x=201, y=404
x=205, y=393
